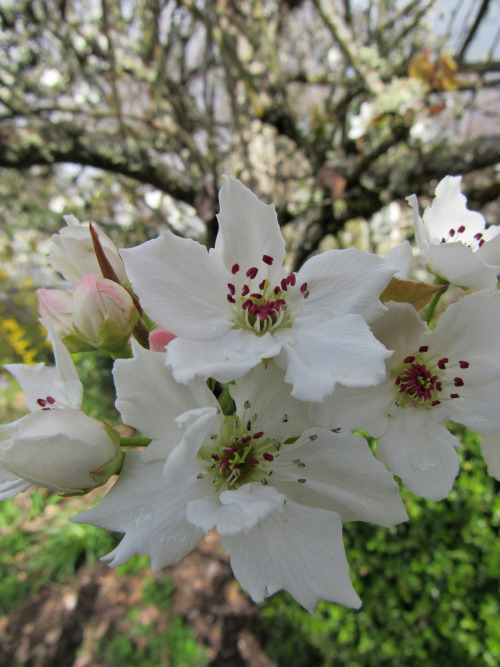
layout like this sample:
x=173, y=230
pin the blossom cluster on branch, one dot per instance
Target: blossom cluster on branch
x=271, y=406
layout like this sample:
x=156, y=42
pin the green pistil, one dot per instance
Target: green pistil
x=236, y=455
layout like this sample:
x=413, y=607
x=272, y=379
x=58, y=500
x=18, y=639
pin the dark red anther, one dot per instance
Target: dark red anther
x=454, y=395
x=303, y=288
x=231, y=299
x=277, y=290
x=235, y=467
x=409, y=360
x=478, y=236
x=235, y=268
x=439, y=386
x=292, y=279
x=253, y=463
x=262, y=285
x=458, y=382
x=255, y=295
x=284, y=285
x=246, y=304
x=398, y=380
x=246, y=439
x=442, y=363
x=229, y=450
x=251, y=273
x=481, y=242
x=224, y=464
x=231, y=288
x=463, y=364
x=443, y=240
x=41, y=402
x=245, y=290
x=423, y=348
x=267, y=259
x=451, y=233
x=51, y=400
x=259, y=434
x=215, y=456
x=461, y=229
x=267, y=456
x=434, y=403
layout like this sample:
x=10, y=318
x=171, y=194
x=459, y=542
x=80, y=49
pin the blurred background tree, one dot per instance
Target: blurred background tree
x=330, y=108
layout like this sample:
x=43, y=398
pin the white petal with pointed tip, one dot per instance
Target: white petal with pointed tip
x=248, y=229
x=151, y=513
x=298, y=549
x=180, y=286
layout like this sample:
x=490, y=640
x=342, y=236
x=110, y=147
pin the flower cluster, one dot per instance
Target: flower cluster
x=250, y=384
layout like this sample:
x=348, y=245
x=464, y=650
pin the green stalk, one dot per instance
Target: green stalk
x=434, y=302
x=135, y=441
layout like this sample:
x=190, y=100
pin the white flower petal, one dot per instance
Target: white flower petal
x=459, y=265
x=468, y=331
x=491, y=452
x=224, y=358
x=341, y=475
x=298, y=549
x=235, y=511
x=355, y=409
x=400, y=258
x=180, y=285
x=149, y=398
x=417, y=448
x=263, y=392
x=151, y=513
x=343, y=282
x=400, y=328
x=10, y=484
x=248, y=229
x=449, y=211
x=341, y=350
x=477, y=408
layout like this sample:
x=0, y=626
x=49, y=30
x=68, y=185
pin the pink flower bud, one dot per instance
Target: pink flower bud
x=56, y=310
x=159, y=339
x=103, y=312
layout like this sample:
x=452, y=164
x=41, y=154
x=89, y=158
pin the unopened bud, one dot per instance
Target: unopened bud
x=63, y=450
x=159, y=339
x=56, y=310
x=103, y=312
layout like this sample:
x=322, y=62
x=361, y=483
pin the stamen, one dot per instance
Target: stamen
x=442, y=363
x=454, y=395
x=235, y=268
x=231, y=299
x=423, y=348
x=231, y=288
x=267, y=456
x=451, y=233
x=258, y=435
x=463, y=364
x=251, y=273
x=409, y=360
x=461, y=229
x=245, y=290
x=267, y=259
x=458, y=382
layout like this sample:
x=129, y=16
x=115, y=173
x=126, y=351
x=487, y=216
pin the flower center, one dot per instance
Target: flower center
x=460, y=235
x=237, y=454
x=258, y=304
x=423, y=381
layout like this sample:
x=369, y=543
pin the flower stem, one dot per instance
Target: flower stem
x=135, y=441
x=435, y=300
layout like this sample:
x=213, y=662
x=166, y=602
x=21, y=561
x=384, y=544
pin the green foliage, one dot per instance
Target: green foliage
x=40, y=547
x=144, y=646
x=430, y=587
